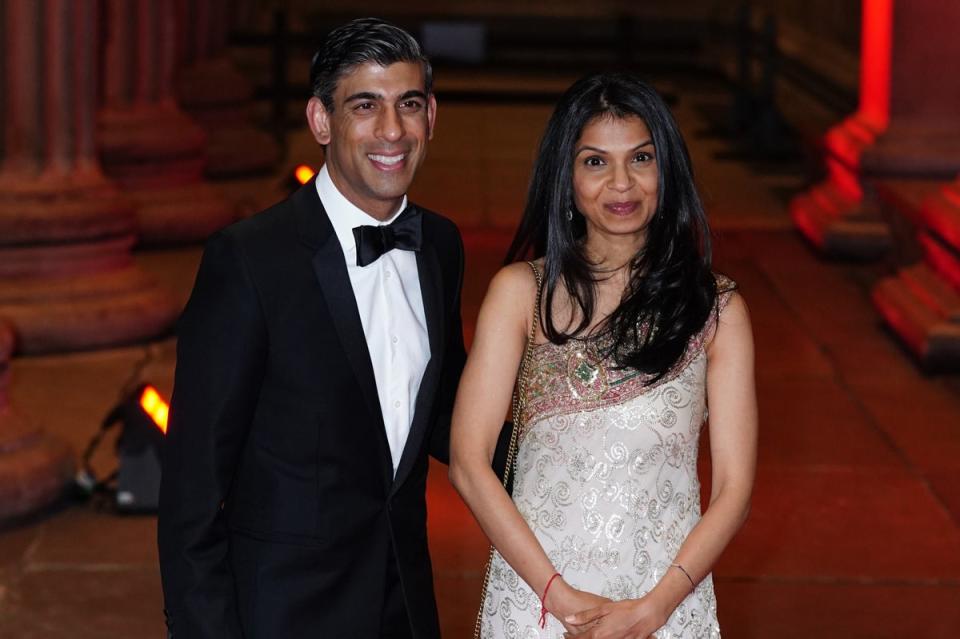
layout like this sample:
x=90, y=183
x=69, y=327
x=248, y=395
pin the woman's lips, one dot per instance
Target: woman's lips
x=621, y=208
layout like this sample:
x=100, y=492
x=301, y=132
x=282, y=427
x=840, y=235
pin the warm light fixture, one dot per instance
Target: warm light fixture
x=154, y=406
x=142, y=416
x=303, y=173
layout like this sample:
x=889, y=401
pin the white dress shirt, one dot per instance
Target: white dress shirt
x=391, y=311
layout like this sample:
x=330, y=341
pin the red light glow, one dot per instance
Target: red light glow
x=875, y=51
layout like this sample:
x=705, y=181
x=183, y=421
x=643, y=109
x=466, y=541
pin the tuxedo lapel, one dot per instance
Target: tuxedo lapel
x=330, y=267
x=338, y=293
x=431, y=289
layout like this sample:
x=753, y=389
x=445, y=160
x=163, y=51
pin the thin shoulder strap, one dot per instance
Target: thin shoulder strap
x=536, y=306
x=519, y=391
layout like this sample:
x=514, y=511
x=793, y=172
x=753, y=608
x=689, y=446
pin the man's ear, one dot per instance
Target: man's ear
x=318, y=119
x=431, y=115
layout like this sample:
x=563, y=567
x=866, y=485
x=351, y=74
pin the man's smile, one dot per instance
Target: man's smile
x=387, y=162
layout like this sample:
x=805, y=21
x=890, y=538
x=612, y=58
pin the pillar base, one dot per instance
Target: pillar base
x=834, y=215
x=67, y=278
x=181, y=214
x=244, y=150
x=922, y=302
x=219, y=98
x=941, y=214
x=58, y=209
x=838, y=225
x=915, y=148
x=34, y=467
x=156, y=145
x=925, y=314
x=157, y=155
x=57, y=313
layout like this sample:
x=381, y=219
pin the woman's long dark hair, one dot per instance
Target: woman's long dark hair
x=672, y=288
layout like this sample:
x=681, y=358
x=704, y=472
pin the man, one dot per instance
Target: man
x=318, y=359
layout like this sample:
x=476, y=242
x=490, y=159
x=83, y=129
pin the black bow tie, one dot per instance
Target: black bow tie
x=404, y=233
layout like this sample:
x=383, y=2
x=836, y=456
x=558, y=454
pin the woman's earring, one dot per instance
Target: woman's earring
x=569, y=215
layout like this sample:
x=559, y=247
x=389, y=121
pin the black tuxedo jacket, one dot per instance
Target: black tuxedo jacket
x=278, y=505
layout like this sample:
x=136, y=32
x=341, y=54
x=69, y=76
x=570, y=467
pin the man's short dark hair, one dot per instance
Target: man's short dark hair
x=358, y=42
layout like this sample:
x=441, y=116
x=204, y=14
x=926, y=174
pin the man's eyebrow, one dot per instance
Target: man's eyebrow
x=363, y=95
x=415, y=93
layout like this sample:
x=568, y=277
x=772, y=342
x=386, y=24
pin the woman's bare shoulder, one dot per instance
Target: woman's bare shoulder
x=512, y=294
x=516, y=279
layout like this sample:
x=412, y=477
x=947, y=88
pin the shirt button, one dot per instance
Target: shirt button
x=388, y=274
x=396, y=404
x=395, y=339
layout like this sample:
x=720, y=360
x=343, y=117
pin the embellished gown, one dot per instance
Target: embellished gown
x=606, y=478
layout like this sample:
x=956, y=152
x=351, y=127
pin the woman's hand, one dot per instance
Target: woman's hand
x=563, y=600
x=629, y=619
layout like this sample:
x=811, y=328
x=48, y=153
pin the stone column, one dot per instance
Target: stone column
x=906, y=125
x=921, y=302
x=216, y=95
x=147, y=144
x=34, y=468
x=67, y=278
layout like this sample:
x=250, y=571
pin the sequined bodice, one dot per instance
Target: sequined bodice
x=606, y=477
x=574, y=376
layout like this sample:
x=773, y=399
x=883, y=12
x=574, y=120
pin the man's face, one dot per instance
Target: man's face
x=376, y=136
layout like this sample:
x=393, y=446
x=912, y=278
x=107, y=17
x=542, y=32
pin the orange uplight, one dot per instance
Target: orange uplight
x=154, y=406
x=303, y=173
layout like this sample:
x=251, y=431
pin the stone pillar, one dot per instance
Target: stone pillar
x=34, y=468
x=906, y=125
x=67, y=278
x=921, y=303
x=147, y=144
x=216, y=95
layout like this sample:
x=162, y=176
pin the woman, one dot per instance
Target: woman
x=603, y=536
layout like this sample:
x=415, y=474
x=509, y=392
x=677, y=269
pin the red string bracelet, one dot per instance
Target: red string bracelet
x=543, y=601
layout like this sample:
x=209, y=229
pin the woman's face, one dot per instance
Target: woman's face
x=615, y=176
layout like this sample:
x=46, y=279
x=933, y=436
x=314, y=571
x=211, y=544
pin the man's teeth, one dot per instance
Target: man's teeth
x=387, y=159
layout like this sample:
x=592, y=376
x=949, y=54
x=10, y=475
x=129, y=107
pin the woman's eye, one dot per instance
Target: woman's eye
x=643, y=156
x=593, y=161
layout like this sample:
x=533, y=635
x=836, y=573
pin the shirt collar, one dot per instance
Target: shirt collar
x=345, y=215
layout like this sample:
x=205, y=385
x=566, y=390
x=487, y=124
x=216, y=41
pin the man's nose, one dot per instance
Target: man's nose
x=390, y=125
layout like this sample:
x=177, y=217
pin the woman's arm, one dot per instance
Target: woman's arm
x=731, y=395
x=483, y=398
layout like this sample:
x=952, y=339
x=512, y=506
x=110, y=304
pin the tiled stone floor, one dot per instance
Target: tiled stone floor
x=855, y=527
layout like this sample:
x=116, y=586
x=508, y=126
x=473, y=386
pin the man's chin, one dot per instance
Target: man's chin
x=392, y=189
